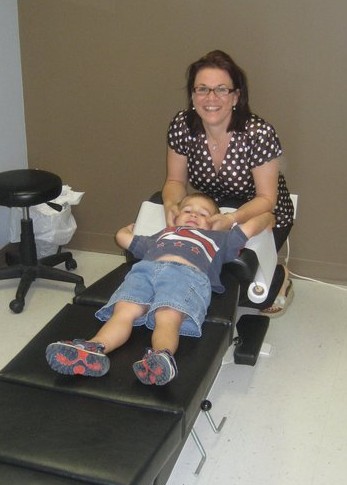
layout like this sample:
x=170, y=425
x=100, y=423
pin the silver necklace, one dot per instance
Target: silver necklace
x=215, y=146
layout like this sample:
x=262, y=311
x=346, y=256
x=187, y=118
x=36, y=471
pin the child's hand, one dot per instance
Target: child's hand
x=124, y=236
x=130, y=227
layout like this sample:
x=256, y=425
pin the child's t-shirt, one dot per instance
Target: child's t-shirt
x=207, y=250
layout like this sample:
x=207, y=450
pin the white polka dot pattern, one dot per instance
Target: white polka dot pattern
x=255, y=146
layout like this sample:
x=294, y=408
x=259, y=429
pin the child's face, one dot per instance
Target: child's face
x=195, y=212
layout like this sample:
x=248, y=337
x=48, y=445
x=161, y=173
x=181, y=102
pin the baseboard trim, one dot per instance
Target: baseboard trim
x=104, y=243
x=319, y=270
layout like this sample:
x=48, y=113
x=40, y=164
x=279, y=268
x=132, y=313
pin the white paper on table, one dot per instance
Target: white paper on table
x=151, y=219
x=263, y=245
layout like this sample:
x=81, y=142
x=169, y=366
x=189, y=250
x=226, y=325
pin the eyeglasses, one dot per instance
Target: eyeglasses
x=219, y=91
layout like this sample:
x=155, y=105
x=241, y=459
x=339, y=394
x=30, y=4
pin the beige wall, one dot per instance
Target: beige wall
x=103, y=78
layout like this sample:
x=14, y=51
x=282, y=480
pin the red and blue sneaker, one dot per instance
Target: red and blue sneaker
x=78, y=357
x=157, y=367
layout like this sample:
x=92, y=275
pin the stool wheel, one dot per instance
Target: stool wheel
x=79, y=288
x=70, y=264
x=16, y=306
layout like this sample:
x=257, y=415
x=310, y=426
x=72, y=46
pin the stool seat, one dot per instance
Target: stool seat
x=27, y=187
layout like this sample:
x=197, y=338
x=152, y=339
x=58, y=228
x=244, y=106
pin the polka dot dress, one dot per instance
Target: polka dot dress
x=255, y=146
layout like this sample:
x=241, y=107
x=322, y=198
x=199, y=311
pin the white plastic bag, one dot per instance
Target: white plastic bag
x=51, y=228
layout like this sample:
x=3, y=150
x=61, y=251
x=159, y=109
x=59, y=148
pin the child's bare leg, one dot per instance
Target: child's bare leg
x=88, y=357
x=166, y=331
x=158, y=366
x=117, y=330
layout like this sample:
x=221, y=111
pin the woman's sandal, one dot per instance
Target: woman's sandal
x=281, y=303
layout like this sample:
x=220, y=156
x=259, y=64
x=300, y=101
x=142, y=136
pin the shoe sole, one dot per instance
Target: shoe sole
x=154, y=369
x=69, y=360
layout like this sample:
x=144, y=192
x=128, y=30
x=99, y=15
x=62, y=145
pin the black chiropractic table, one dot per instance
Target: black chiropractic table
x=57, y=429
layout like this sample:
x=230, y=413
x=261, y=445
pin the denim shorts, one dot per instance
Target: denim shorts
x=164, y=284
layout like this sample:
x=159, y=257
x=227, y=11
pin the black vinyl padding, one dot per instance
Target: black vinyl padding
x=251, y=330
x=18, y=475
x=198, y=362
x=62, y=425
x=57, y=429
x=77, y=437
x=28, y=187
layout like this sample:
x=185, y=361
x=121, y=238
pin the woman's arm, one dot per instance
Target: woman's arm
x=175, y=186
x=124, y=236
x=257, y=224
x=266, y=183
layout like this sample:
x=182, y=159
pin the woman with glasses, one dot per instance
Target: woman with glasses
x=224, y=150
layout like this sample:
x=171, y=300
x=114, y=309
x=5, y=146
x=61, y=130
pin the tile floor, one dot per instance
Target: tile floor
x=286, y=417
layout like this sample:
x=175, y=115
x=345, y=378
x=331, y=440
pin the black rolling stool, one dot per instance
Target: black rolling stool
x=24, y=188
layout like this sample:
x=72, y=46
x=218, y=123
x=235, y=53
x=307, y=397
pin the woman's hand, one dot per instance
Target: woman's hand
x=222, y=222
x=171, y=212
x=175, y=187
